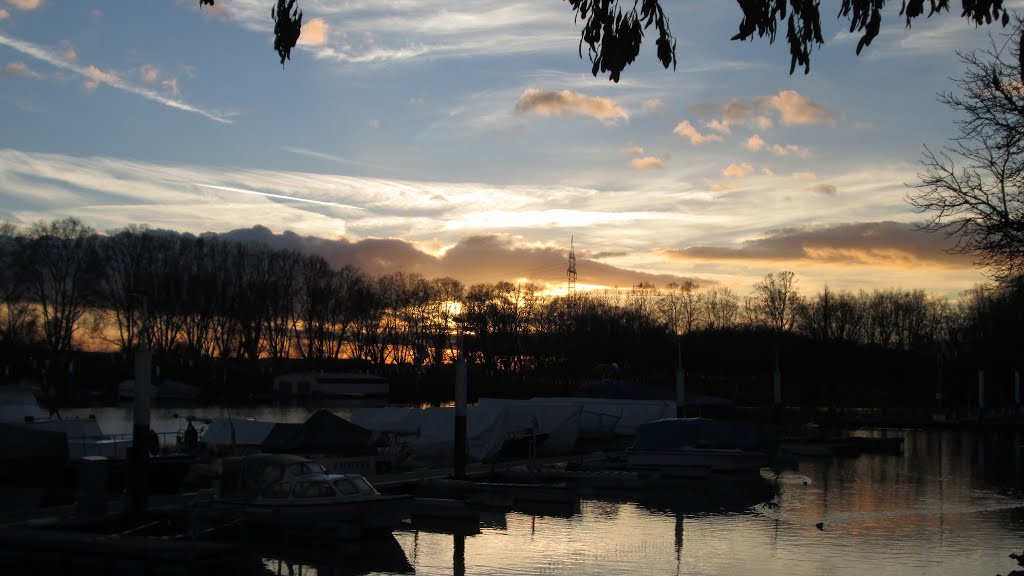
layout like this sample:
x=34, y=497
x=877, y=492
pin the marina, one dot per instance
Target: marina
x=949, y=497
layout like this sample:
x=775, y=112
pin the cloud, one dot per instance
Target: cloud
x=19, y=69
x=94, y=77
x=804, y=176
x=93, y=74
x=150, y=74
x=887, y=244
x=170, y=85
x=787, y=149
x=737, y=170
x=790, y=107
x=634, y=150
x=797, y=110
x=653, y=105
x=314, y=32
x=374, y=123
x=472, y=259
x=67, y=51
x=25, y=4
x=686, y=130
x=767, y=172
x=549, y=103
x=825, y=189
x=756, y=144
x=4, y=14
x=646, y=163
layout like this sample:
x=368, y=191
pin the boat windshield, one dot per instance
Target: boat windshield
x=306, y=468
x=313, y=490
x=354, y=485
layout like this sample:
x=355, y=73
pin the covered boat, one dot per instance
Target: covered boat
x=701, y=446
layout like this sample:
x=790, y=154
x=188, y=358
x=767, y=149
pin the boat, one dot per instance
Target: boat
x=701, y=447
x=330, y=385
x=287, y=491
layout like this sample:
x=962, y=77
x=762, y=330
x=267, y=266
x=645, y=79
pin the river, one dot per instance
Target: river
x=945, y=506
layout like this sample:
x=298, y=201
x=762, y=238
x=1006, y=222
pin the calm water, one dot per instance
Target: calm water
x=939, y=508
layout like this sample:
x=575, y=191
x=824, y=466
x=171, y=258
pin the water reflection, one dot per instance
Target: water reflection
x=347, y=558
x=938, y=508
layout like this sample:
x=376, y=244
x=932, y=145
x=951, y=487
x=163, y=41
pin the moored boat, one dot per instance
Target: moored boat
x=288, y=491
x=701, y=446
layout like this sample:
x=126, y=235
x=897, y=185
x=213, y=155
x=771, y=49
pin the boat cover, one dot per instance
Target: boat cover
x=236, y=431
x=427, y=435
x=322, y=433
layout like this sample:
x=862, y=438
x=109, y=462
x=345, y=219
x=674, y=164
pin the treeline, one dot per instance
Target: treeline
x=63, y=287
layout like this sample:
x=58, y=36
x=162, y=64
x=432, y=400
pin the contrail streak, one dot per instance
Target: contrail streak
x=51, y=58
x=279, y=196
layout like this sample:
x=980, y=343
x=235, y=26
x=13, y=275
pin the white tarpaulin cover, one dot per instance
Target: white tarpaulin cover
x=428, y=434
x=246, y=432
x=607, y=416
x=558, y=423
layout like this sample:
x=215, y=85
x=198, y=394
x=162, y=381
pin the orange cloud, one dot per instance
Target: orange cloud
x=737, y=170
x=686, y=130
x=150, y=74
x=314, y=32
x=804, y=176
x=97, y=77
x=25, y=4
x=886, y=244
x=795, y=109
x=646, y=163
x=634, y=150
x=4, y=14
x=755, y=143
x=20, y=69
x=653, y=105
x=550, y=103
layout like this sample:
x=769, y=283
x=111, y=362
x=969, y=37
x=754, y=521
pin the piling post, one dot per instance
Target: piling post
x=680, y=393
x=460, y=418
x=139, y=485
x=1016, y=390
x=777, y=390
x=981, y=394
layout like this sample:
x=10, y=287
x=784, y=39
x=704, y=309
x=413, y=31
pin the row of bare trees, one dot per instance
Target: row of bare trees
x=65, y=286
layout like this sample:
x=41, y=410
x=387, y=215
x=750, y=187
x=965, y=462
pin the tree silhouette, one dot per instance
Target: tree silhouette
x=973, y=189
x=614, y=34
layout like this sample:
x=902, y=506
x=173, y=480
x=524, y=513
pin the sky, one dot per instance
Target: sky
x=468, y=139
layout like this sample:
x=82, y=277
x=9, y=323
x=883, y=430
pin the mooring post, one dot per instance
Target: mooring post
x=777, y=390
x=680, y=393
x=981, y=394
x=140, y=429
x=460, y=418
x=1016, y=390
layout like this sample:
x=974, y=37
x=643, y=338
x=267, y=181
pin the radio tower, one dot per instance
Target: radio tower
x=571, y=287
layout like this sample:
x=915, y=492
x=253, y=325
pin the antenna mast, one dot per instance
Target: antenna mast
x=570, y=290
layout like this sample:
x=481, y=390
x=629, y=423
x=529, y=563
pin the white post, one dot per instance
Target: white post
x=680, y=393
x=460, y=418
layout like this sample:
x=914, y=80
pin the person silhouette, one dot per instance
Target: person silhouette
x=191, y=437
